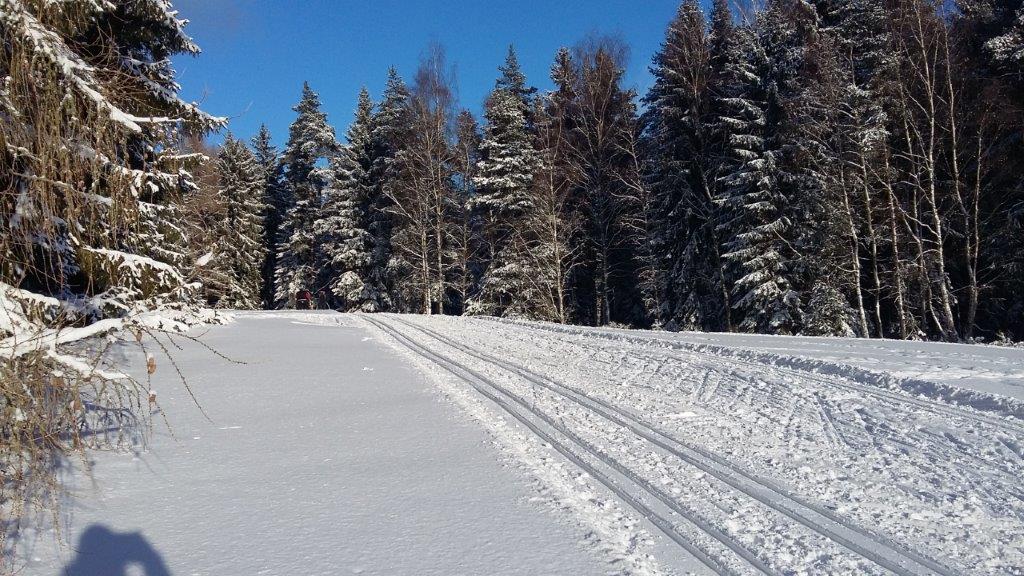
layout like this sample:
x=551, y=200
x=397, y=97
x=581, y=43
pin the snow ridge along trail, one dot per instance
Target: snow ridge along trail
x=768, y=468
x=1008, y=410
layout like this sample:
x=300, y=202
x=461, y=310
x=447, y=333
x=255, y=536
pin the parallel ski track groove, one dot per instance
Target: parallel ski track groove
x=481, y=384
x=694, y=455
x=837, y=380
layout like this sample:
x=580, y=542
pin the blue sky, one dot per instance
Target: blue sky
x=257, y=53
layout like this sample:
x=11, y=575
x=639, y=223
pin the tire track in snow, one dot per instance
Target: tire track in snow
x=498, y=395
x=812, y=515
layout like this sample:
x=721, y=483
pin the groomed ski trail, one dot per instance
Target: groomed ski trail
x=617, y=435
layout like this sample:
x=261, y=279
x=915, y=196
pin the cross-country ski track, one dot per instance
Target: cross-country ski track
x=608, y=451
x=601, y=404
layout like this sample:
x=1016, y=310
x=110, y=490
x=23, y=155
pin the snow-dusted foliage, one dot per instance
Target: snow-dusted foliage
x=504, y=182
x=311, y=140
x=1008, y=47
x=240, y=252
x=343, y=237
x=91, y=239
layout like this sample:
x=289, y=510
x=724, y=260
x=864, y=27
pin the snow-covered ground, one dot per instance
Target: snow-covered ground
x=325, y=454
x=561, y=450
x=986, y=368
x=757, y=458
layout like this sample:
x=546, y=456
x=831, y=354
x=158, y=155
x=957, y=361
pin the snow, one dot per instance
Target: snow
x=385, y=444
x=994, y=370
x=309, y=466
x=778, y=468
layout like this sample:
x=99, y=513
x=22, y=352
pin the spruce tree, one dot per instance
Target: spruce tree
x=390, y=128
x=504, y=186
x=345, y=243
x=756, y=226
x=513, y=81
x=311, y=140
x=240, y=251
x=91, y=225
x=276, y=203
x=684, y=155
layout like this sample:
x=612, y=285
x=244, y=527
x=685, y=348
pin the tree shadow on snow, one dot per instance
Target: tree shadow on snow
x=103, y=552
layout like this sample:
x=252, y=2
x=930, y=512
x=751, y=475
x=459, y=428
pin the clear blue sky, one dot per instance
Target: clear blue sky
x=257, y=53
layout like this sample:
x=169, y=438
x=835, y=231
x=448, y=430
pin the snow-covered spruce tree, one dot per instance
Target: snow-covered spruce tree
x=275, y=202
x=814, y=137
x=684, y=152
x=756, y=227
x=342, y=230
x=90, y=238
x=504, y=186
x=391, y=124
x=310, y=140
x=513, y=81
x=240, y=252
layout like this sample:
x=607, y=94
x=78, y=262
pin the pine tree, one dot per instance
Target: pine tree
x=310, y=141
x=240, y=251
x=345, y=243
x=276, y=203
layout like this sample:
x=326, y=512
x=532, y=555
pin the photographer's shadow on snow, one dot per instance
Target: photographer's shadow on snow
x=103, y=552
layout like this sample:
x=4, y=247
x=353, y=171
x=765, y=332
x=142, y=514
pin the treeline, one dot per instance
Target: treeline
x=831, y=167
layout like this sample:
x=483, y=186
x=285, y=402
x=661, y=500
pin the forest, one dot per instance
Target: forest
x=846, y=168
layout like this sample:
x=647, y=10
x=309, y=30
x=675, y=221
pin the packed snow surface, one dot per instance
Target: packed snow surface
x=541, y=449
